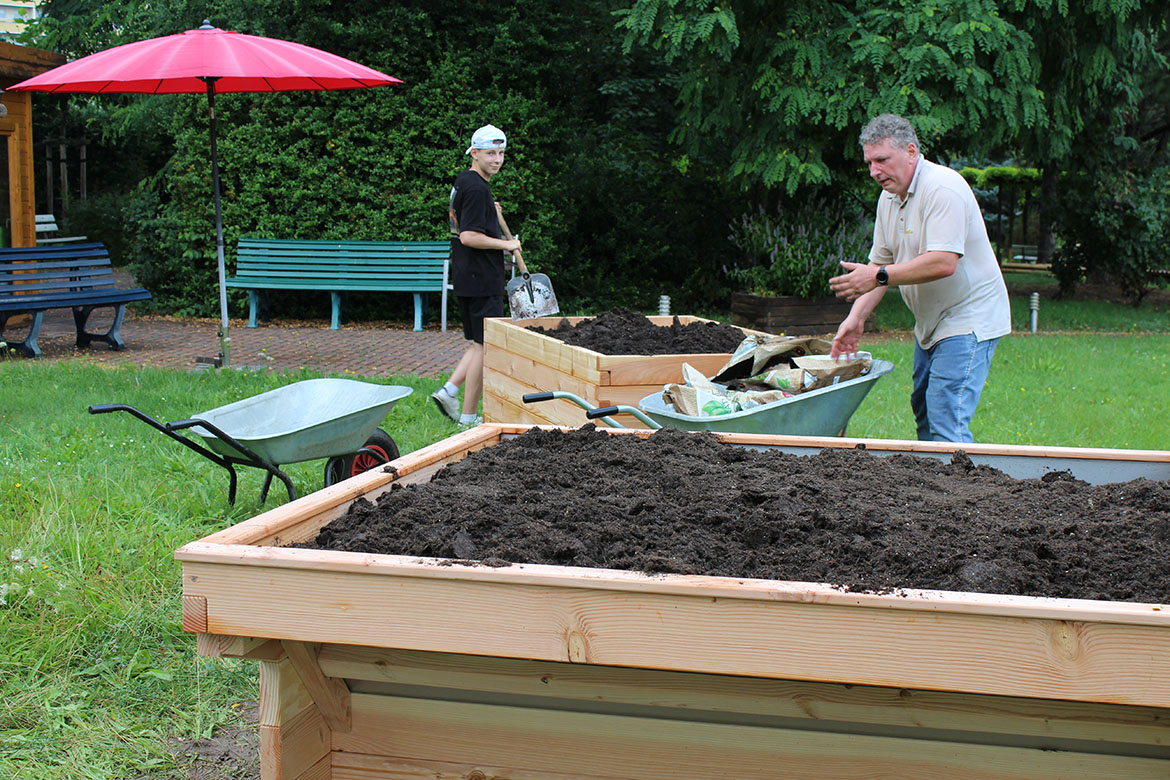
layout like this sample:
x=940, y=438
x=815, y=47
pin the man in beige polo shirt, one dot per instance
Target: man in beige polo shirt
x=929, y=240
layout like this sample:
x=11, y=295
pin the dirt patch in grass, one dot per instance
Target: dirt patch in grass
x=681, y=502
x=625, y=332
x=232, y=752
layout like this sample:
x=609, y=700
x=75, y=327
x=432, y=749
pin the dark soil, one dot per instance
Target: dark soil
x=624, y=332
x=681, y=502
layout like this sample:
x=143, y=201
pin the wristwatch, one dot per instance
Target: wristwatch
x=883, y=276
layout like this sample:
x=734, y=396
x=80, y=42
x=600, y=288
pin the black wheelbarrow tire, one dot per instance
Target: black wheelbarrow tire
x=346, y=466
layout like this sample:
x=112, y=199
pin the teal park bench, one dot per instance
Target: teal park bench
x=343, y=266
x=34, y=280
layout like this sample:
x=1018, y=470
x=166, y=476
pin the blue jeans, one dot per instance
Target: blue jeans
x=948, y=380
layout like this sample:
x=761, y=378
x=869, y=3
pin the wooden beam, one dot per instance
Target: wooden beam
x=330, y=694
x=376, y=670
x=18, y=63
x=295, y=740
x=953, y=642
x=534, y=740
x=219, y=646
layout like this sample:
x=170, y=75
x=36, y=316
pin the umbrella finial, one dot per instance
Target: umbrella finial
x=206, y=25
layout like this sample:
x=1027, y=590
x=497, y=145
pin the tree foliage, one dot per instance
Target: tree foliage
x=781, y=88
x=589, y=183
x=784, y=87
x=632, y=148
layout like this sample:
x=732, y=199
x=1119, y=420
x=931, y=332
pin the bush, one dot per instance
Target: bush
x=797, y=251
x=1113, y=228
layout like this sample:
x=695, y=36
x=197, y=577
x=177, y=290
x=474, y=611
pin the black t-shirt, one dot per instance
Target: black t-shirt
x=474, y=272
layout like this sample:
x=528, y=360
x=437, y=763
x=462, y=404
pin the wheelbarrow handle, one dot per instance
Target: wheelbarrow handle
x=105, y=408
x=168, y=430
x=531, y=398
x=603, y=412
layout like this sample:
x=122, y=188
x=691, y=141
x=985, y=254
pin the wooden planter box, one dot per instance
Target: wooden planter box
x=790, y=316
x=518, y=360
x=377, y=666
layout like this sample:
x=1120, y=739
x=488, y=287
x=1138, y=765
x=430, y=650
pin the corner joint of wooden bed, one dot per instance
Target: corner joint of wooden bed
x=330, y=694
x=195, y=614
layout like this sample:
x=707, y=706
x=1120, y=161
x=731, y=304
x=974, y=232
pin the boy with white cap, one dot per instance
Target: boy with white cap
x=477, y=267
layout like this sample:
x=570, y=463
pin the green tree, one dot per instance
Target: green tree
x=592, y=185
x=783, y=88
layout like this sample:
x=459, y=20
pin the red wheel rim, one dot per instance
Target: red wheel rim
x=364, y=461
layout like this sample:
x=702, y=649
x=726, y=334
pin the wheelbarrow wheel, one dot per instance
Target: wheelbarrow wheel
x=378, y=449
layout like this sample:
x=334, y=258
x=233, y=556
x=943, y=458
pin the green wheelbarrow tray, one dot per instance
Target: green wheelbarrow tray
x=307, y=420
x=315, y=418
x=823, y=412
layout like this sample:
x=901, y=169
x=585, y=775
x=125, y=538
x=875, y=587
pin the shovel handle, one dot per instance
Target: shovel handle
x=517, y=256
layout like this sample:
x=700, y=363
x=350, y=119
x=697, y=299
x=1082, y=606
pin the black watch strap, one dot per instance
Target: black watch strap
x=883, y=276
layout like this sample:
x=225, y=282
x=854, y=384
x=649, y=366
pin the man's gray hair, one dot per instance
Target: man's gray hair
x=897, y=129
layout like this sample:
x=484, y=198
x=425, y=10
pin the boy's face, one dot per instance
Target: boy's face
x=487, y=161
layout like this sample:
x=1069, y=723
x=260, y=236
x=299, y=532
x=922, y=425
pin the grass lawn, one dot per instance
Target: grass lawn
x=97, y=678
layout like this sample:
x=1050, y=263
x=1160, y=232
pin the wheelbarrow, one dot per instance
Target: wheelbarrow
x=822, y=412
x=335, y=419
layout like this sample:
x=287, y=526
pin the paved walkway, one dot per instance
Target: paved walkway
x=391, y=349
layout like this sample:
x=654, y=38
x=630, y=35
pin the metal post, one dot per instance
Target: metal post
x=64, y=178
x=84, y=188
x=49, y=177
x=224, y=339
x=1034, y=306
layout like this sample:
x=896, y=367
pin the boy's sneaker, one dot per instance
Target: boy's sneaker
x=472, y=424
x=447, y=405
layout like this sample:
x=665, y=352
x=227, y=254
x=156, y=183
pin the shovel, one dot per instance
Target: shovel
x=529, y=295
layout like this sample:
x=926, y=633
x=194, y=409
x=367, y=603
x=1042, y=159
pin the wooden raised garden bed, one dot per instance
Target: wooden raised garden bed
x=518, y=360
x=379, y=666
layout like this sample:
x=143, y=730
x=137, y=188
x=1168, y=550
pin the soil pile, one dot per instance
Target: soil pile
x=682, y=502
x=622, y=331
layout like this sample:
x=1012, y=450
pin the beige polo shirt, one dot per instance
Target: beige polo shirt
x=940, y=213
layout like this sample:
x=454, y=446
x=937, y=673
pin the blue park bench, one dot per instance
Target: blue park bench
x=335, y=267
x=34, y=280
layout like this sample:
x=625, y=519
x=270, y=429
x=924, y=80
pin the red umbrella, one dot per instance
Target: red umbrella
x=213, y=61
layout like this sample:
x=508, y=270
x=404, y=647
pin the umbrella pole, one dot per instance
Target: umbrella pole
x=224, y=339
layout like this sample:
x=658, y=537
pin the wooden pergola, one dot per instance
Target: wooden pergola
x=18, y=63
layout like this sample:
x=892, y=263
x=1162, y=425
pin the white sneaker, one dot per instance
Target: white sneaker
x=472, y=424
x=447, y=405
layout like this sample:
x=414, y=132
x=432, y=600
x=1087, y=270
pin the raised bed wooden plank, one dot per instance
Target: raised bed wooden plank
x=651, y=370
x=496, y=408
x=374, y=670
x=502, y=334
x=357, y=766
x=537, y=739
x=756, y=628
x=295, y=741
x=535, y=375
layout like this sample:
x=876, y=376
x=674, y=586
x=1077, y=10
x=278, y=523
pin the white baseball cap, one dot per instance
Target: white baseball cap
x=488, y=137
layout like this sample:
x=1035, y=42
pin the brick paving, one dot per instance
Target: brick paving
x=392, y=349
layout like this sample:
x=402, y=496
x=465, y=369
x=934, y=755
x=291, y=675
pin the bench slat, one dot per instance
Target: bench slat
x=34, y=280
x=342, y=266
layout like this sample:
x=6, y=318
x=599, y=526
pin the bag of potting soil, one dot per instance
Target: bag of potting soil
x=825, y=372
x=753, y=398
x=757, y=353
x=693, y=377
x=780, y=378
x=696, y=402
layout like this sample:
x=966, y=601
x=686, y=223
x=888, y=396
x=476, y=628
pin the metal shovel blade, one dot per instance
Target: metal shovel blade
x=531, y=296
